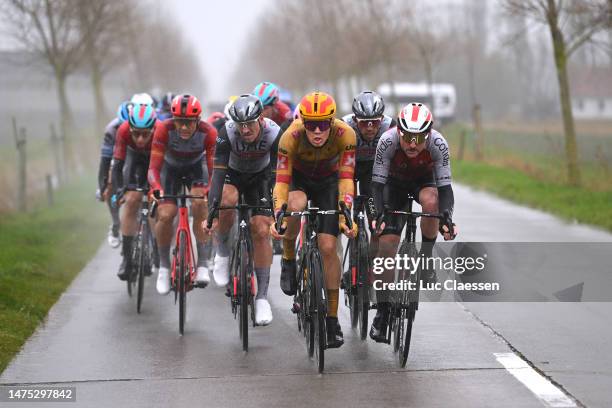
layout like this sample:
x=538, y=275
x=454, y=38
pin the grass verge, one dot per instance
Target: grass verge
x=582, y=205
x=42, y=251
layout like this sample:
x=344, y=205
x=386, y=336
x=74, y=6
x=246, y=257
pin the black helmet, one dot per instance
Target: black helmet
x=166, y=101
x=368, y=105
x=246, y=108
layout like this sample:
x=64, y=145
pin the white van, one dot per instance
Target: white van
x=444, y=95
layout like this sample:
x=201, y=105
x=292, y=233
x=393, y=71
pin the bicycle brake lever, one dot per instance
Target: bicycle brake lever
x=279, y=220
x=211, y=215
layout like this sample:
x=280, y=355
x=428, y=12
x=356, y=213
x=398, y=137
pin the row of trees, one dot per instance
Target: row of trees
x=98, y=38
x=355, y=45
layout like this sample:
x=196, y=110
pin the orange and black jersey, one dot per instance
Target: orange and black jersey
x=295, y=153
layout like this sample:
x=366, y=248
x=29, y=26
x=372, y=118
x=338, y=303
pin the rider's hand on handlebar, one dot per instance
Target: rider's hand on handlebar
x=378, y=225
x=350, y=233
x=273, y=231
x=215, y=223
x=152, y=194
x=444, y=230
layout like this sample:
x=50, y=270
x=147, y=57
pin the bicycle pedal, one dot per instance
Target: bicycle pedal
x=295, y=308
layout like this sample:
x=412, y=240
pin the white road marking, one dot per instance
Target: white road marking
x=546, y=391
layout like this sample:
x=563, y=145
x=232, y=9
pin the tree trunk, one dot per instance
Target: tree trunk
x=66, y=123
x=100, y=106
x=571, y=148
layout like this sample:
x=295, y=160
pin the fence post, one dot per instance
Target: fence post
x=57, y=151
x=49, y=190
x=20, y=141
x=461, y=144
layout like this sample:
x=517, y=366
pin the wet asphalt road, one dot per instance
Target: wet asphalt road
x=95, y=341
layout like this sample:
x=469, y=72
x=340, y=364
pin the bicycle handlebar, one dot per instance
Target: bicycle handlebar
x=282, y=213
x=216, y=207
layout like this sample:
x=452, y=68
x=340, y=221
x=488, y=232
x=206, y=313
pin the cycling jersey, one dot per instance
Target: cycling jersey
x=169, y=150
x=127, y=155
x=240, y=157
x=106, y=152
x=391, y=161
x=395, y=175
x=336, y=156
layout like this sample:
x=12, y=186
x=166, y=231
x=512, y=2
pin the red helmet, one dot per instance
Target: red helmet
x=186, y=106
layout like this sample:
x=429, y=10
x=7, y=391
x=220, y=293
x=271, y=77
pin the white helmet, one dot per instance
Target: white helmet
x=415, y=118
x=142, y=99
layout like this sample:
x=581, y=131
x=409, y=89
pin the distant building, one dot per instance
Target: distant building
x=591, y=91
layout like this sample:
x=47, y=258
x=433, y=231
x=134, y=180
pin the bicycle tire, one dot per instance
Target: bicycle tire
x=134, y=260
x=307, y=308
x=244, y=292
x=407, y=311
x=318, y=288
x=363, y=289
x=180, y=280
x=143, y=262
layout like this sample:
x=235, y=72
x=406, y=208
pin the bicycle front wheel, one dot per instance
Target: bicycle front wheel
x=182, y=273
x=320, y=308
x=245, y=292
x=144, y=261
x=363, y=282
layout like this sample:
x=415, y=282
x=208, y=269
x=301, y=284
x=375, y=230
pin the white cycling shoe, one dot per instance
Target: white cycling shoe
x=263, y=312
x=163, y=281
x=202, y=277
x=221, y=270
x=113, y=241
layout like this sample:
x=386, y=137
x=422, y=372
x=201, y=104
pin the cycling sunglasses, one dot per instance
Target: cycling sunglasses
x=249, y=124
x=368, y=123
x=312, y=125
x=141, y=133
x=184, y=122
x=418, y=138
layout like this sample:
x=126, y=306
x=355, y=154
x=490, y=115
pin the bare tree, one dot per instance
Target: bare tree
x=49, y=30
x=571, y=24
x=102, y=25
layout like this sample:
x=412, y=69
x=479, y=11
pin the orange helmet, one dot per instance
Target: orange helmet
x=317, y=106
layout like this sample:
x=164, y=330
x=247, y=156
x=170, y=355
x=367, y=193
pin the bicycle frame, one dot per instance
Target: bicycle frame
x=183, y=225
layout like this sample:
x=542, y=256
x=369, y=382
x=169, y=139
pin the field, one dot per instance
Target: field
x=527, y=164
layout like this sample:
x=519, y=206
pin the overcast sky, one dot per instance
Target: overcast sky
x=218, y=30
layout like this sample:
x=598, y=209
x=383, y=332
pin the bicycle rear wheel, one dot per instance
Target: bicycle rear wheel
x=182, y=273
x=320, y=308
x=245, y=292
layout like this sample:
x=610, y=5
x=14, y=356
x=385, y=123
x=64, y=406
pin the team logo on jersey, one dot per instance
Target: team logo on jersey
x=282, y=163
x=349, y=159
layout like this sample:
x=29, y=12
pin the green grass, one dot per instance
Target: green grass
x=42, y=251
x=591, y=207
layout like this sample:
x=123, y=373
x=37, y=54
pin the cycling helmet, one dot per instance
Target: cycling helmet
x=317, y=106
x=142, y=116
x=166, y=101
x=246, y=108
x=142, y=99
x=231, y=100
x=415, y=118
x=368, y=105
x=123, y=112
x=267, y=92
x=186, y=106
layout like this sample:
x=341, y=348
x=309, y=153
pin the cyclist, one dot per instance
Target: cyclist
x=243, y=154
x=184, y=146
x=316, y=161
x=163, y=111
x=411, y=159
x=106, y=156
x=133, y=145
x=269, y=95
x=369, y=122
